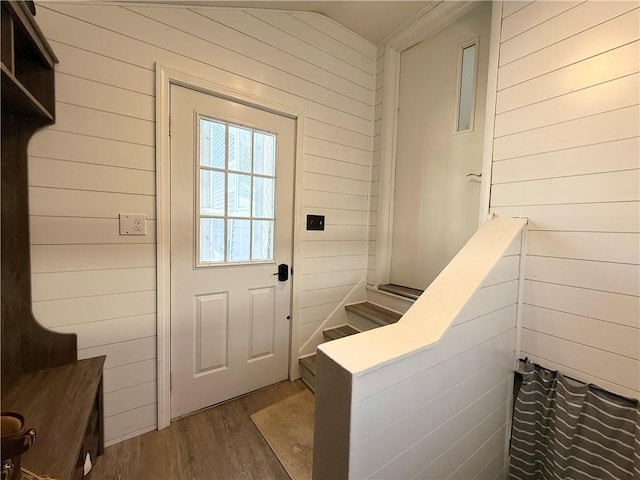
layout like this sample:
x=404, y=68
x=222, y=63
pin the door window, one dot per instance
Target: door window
x=236, y=196
x=467, y=86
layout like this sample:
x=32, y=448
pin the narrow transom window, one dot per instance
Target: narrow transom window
x=236, y=195
x=467, y=86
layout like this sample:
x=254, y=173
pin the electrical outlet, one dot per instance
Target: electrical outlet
x=133, y=224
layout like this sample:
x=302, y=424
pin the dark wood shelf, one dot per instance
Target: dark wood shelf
x=27, y=22
x=27, y=64
x=17, y=99
x=60, y=403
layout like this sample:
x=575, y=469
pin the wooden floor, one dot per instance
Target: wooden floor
x=218, y=443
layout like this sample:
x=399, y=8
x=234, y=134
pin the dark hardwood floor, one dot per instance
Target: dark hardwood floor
x=218, y=443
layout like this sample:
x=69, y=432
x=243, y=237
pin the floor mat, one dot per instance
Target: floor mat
x=287, y=426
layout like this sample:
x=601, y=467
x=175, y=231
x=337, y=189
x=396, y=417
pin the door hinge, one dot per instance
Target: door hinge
x=170, y=124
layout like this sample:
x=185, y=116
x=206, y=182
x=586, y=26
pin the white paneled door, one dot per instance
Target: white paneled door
x=232, y=177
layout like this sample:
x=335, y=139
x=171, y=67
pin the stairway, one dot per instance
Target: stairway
x=308, y=364
x=360, y=317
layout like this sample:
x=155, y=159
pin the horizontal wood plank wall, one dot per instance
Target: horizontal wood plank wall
x=98, y=160
x=444, y=414
x=567, y=156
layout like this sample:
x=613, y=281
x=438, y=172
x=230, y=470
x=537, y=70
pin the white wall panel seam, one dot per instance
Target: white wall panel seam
x=631, y=105
x=588, y=377
x=531, y=304
x=334, y=159
x=503, y=40
x=108, y=369
x=608, y=262
x=91, y=163
x=122, y=438
x=128, y=340
x=305, y=60
x=62, y=74
x=78, y=47
x=335, y=143
x=564, y=66
x=580, y=286
x=480, y=317
x=313, y=119
x=546, y=282
x=299, y=17
x=547, y=334
x=553, y=97
x=53, y=127
x=510, y=182
x=564, y=149
x=36, y=302
x=127, y=411
x=566, y=38
x=67, y=325
x=110, y=112
x=522, y=5
x=93, y=190
x=342, y=63
x=255, y=14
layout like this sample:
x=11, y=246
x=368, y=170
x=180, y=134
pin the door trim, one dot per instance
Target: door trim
x=165, y=77
x=426, y=24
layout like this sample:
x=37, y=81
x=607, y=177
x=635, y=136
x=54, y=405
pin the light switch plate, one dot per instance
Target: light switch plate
x=133, y=224
x=315, y=222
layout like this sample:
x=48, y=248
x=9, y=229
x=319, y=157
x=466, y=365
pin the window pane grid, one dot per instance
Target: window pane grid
x=236, y=217
x=226, y=170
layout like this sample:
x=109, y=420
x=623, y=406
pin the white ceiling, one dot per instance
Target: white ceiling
x=371, y=19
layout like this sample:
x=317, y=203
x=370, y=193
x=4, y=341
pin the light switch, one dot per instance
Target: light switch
x=315, y=222
x=133, y=224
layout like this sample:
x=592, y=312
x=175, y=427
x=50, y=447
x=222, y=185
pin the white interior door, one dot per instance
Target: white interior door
x=443, y=82
x=231, y=225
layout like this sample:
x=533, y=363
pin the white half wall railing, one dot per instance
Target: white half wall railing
x=430, y=396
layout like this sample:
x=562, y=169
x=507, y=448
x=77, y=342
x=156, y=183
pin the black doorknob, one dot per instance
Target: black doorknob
x=283, y=272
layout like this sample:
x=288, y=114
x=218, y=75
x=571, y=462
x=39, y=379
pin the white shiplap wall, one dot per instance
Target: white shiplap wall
x=566, y=155
x=430, y=396
x=98, y=160
x=446, y=413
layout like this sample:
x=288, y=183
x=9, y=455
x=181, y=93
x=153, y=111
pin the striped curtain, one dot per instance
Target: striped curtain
x=563, y=429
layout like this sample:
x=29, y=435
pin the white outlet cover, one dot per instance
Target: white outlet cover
x=133, y=224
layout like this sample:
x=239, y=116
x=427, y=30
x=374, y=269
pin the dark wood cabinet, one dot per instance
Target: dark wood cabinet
x=42, y=379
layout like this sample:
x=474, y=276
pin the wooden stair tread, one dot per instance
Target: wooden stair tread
x=374, y=313
x=308, y=371
x=401, y=291
x=339, y=332
x=309, y=363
